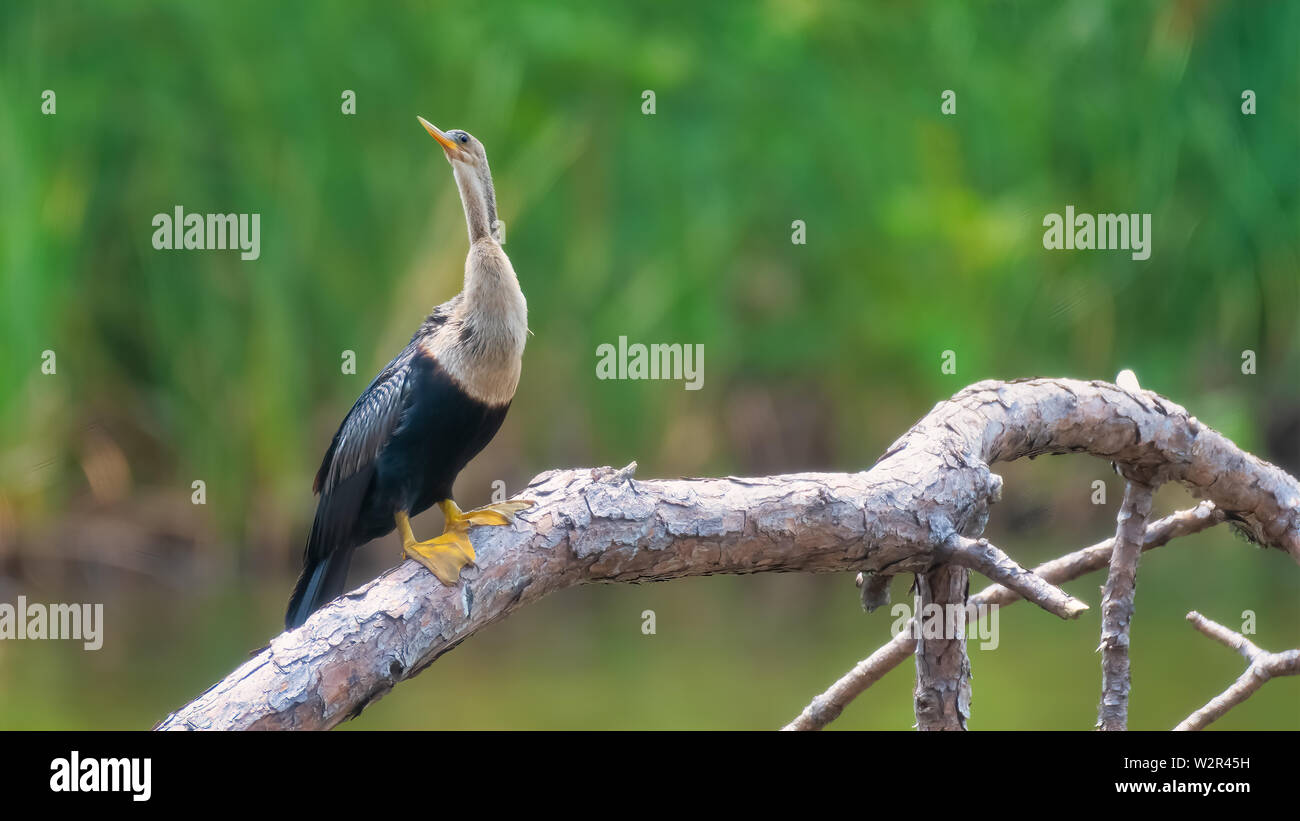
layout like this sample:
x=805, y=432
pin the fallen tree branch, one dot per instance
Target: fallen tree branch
x=828, y=706
x=1263, y=666
x=603, y=525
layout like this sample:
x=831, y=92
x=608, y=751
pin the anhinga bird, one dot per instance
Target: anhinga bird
x=426, y=415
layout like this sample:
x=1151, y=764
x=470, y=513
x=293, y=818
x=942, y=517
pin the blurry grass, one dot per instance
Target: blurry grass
x=924, y=234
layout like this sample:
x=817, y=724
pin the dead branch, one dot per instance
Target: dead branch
x=999, y=567
x=827, y=707
x=1263, y=666
x=1118, y=603
x=603, y=525
x=942, y=694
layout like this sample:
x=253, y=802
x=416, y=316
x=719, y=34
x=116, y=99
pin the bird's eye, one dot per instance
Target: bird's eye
x=464, y=138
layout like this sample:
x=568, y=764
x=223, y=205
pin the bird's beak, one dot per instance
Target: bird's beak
x=447, y=143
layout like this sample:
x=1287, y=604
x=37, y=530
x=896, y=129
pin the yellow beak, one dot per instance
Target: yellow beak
x=447, y=143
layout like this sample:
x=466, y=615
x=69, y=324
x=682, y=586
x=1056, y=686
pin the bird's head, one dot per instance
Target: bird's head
x=460, y=146
x=470, y=166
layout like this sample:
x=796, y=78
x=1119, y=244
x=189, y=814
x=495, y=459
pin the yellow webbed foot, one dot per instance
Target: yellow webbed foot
x=501, y=513
x=448, y=554
x=445, y=556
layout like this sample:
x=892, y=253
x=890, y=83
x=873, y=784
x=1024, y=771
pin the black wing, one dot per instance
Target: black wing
x=343, y=480
x=349, y=464
x=367, y=427
x=370, y=423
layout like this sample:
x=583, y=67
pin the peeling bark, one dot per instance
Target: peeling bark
x=603, y=525
x=1118, y=602
x=942, y=695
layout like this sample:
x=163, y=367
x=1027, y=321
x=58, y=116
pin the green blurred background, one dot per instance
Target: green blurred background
x=924, y=234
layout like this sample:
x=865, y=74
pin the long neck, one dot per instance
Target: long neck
x=480, y=202
x=493, y=313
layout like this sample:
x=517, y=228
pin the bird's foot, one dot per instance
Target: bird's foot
x=448, y=554
x=501, y=513
x=445, y=555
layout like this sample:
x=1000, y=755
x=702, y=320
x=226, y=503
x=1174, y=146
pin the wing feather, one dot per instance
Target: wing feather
x=367, y=427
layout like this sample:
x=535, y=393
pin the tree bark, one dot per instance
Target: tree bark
x=603, y=525
x=942, y=695
x=1118, y=604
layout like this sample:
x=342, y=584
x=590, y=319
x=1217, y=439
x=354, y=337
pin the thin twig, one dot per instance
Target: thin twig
x=980, y=555
x=1263, y=666
x=1226, y=636
x=1091, y=559
x=828, y=706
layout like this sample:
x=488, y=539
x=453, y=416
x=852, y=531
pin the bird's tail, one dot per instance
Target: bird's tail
x=321, y=581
